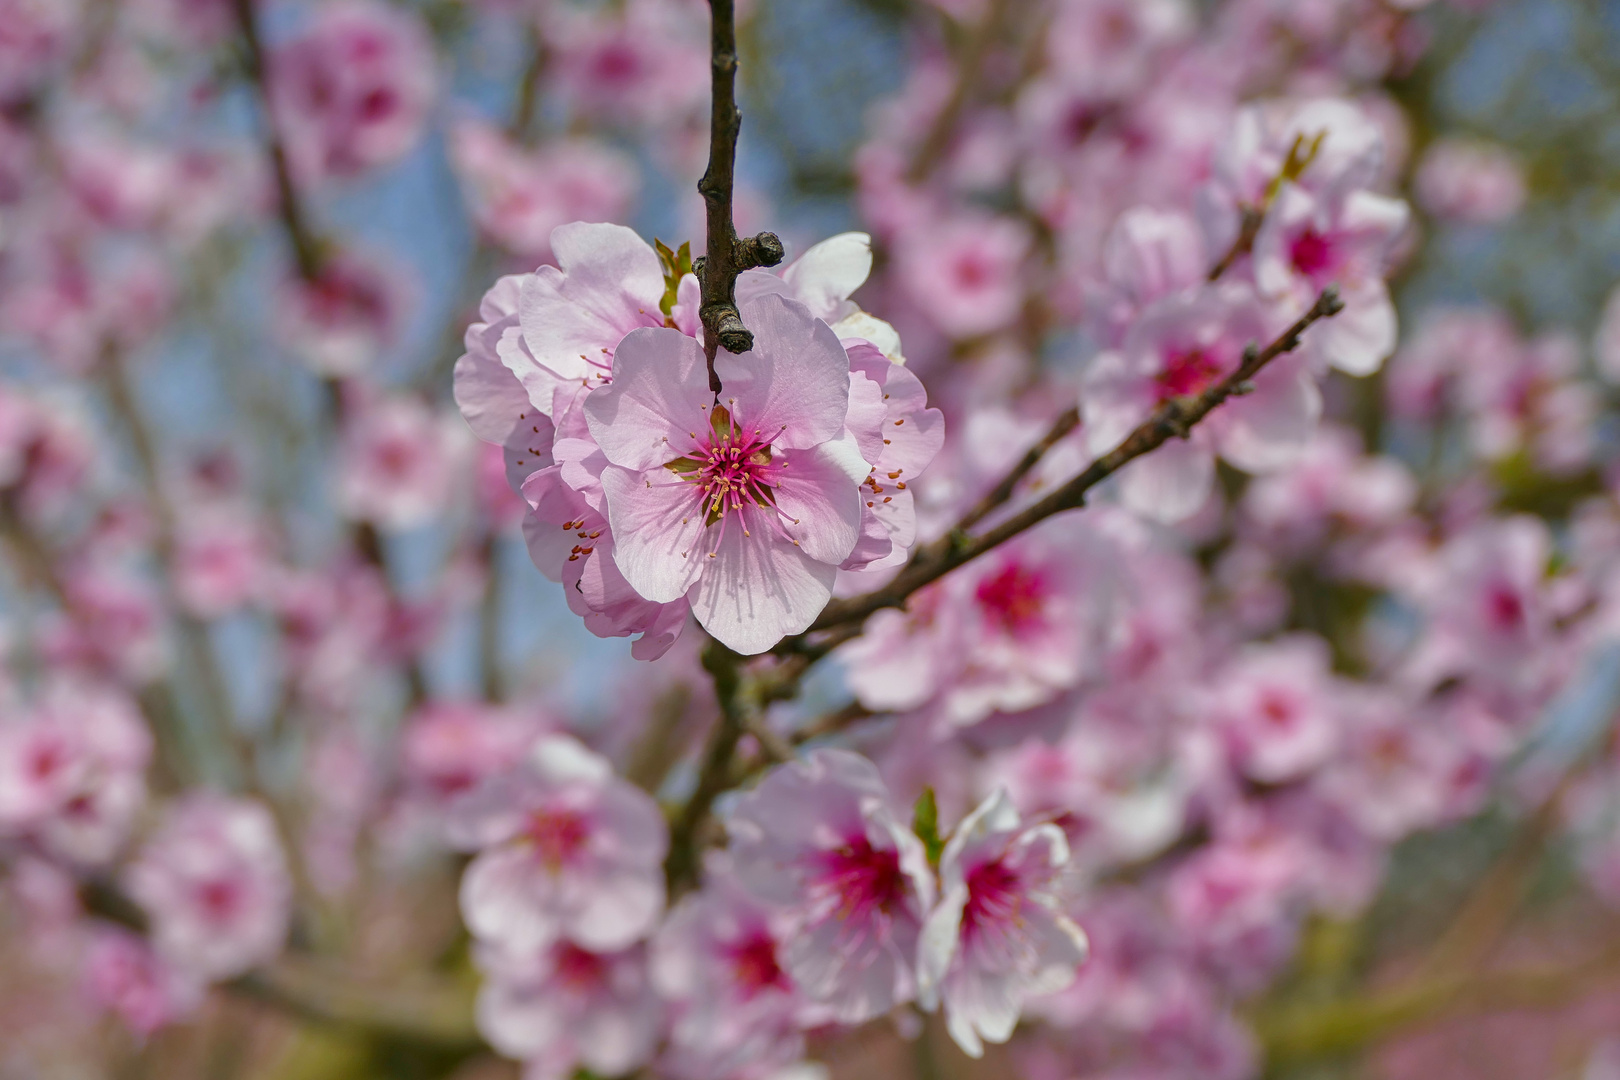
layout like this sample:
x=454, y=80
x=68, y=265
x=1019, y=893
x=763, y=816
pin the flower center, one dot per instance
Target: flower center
x=993, y=899
x=1187, y=372
x=1014, y=598
x=753, y=964
x=864, y=880
x=577, y=968
x=557, y=835
x=219, y=899
x=1312, y=254
x=732, y=470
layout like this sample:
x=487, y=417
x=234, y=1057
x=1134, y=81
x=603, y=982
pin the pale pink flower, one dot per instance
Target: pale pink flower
x=1105, y=48
x=823, y=279
x=124, y=974
x=353, y=91
x=112, y=627
x=213, y=881
x=221, y=559
x=1334, y=484
x=340, y=321
x=38, y=36
x=643, y=62
x=1149, y=254
x=998, y=935
x=1273, y=706
x=449, y=748
x=1309, y=241
x=965, y=273
x=818, y=840
x=561, y=1008
x=745, y=506
x=1470, y=181
x=72, y=771
x=735, y=1011
x=1393, y=772
x=398, y=462
x=1179, y=346
x=520, y=195
x=903, y=656
x=566, y=850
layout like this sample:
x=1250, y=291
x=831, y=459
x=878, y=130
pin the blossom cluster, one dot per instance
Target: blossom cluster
x=303, y=765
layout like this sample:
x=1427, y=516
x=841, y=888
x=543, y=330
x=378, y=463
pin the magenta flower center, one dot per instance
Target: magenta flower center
x=1014, y=598
x=754, y=966
x=219, y=899
x=733, y=470
x=1188, y=372
x=557, y=835
x=577, y=968
x=1312, y=254
x=865, y=880
x=994, y=898
x=1505, y=609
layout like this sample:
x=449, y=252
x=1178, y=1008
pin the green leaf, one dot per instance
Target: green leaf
x=676, y=264
x=925, y=823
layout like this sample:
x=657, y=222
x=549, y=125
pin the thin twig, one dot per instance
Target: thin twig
x=1065, y=423
x=306, y=246
x=1173, y=419
x=727, y=255
x=684, y=864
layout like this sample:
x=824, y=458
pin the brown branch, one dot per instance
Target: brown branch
x=1242, y=245
x=684, y=864
x=1173, y=419
x=306, y=246
x=727, y=254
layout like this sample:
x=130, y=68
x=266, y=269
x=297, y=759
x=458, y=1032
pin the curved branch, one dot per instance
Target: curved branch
x=1175, y=418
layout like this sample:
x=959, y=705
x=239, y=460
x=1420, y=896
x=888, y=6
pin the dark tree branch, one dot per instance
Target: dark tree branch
x=728, y=255
x=684, y=865
x=1175, y=418
x=306, y=246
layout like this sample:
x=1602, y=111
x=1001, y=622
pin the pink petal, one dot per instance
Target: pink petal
x=758, y=590
x=657, y=403
x=794, y=384
x=659, y=542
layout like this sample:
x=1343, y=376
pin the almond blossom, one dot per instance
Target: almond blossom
x=818, y=841
x=566, y=852
x=999, y=934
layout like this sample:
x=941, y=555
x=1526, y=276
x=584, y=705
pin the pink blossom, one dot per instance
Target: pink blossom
x=352, y=92
x=72, y=771
x=965, y=273
x=123, y=973
x=1182, y=345
x=1150, y=254
x=823, y=279
x=111, y=626
x=735, y=1011
x=560, y=1007
x=1470, y=181
x=213, y=881
x=450, y=748
x=1392, y=775
x=220, y=561
x=340, y=321
x=745, y=506
x=519, y=195
x=399, y=460
x=1273, y=706
x=566, y=850
x=998, y=935
x=1106, y=47
x=38, y=36
x=642, y=63
x=1309, y=241
x=818, y=841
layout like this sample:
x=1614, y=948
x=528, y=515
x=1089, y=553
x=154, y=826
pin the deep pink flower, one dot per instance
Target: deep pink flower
x=213, y=881
x=566, y=850
x=999, y=934
x=340, y=321
x=818, y=841
x=745, y=506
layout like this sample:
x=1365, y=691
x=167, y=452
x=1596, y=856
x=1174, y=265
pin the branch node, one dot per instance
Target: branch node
x=754, y=251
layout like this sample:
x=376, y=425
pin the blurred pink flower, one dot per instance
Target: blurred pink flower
x=353, y=91
x=213, y=881
x=398, y=461
x=567, y=851
x=999, y=934
x=818, y=840
x=340, y=322
x=1474, y=182
x=123, y=973
x=1274, y=707
x=965, y=273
